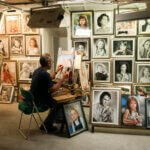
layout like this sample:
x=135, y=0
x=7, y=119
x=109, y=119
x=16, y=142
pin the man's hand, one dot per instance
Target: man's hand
x=59, y=68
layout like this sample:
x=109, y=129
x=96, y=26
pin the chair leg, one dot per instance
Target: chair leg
x=36, y=122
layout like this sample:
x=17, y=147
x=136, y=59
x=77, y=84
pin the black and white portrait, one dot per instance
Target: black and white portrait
x=103, y=22
x=123, y=70
x=144, y=26
x=148, y=112
x=100, y=47
x=105, y=106
x=4, y=48
x=143, y=48
x=143, y=73
x=101, y=71
x=82, y=45
x=123, y=47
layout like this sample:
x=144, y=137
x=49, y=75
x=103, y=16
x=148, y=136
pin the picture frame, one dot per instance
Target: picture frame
x=143, y=51
x=88, y=70
x=6, y=94
x=13, y=24
x=82, y=45
x=101, y=47
x=9, y=72
x=143, y=70
x=17, y=45
x=143, y=26
x=81, y=24
x=73, y=111
x=147, y=113
x=86, y=101
x=126, y=28
x=26, y=69
x=25, y=28
x=125, y=89
x=2, y=25
x=123, y=47
x=101, y=71
x=123, y=70
x=4, y=48
x=103, y=22
x=33, y=45
x=111, y=115
x=128, y=119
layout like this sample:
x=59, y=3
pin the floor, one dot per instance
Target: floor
x=101, y=139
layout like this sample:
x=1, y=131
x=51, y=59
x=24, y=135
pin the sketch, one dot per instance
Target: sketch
x=4, y=50
x=144, y=26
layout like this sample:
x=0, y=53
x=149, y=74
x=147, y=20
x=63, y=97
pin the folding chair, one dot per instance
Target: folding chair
x=27, y=106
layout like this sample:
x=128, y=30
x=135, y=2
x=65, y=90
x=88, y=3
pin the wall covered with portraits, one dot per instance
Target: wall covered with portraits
x=20, y=48
x=118, y=55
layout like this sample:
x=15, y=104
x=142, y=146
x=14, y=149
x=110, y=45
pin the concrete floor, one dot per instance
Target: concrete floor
x=10, y=139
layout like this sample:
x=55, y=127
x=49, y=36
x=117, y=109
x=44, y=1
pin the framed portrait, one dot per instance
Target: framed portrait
x=123, y=47
x=125, y=89
x=101, y=47
x=9, y=73
x=2, y=24
x=143, y=51
x=25, y=28
x=82, y=45
x=101, y=71
x=13, y=24
x=26, y=69
x=126, y=28
x=103, y=22
x=33, y=45
x=142, y=90
x=143, y=73
x=4, y=49
x=17, y=45
x=86, y=100
x=144, y=26
x=83, y=78
x=6, y=93
x=105, y=106
x=123, y=71
x=147, y=112
x=81, y=24
x=75, y=117
x=133, y=117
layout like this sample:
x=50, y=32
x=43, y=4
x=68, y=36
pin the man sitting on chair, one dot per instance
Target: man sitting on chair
x=42, y=87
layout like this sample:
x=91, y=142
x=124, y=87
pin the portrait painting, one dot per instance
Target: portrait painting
x=126, y=28
x=83, y=78
x=143, y=73
x=132, y=111
x=123, y=71
x=75, y=117
x=26, y=69
x=123, y=47
x=85, y=100
x=144, y=26
x=103, y=22
x=6, y=93
x=100, y=47
x=81, y=24
x=33, y=45
x=105, y=106
x=17, y=45
x=25, y=28
x=82, y=46
x=142, y=90
x=101, y=71
x=143, y=51
x=4, y=49
x=148, y=113
x=2, y=24
x=9, y=73
x=13, y=24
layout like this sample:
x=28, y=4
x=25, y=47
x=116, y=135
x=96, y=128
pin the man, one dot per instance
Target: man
x=42, y=87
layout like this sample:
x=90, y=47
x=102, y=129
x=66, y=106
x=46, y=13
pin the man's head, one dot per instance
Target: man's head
x=46, y=61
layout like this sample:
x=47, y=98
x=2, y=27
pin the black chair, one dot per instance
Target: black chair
x=27, y=106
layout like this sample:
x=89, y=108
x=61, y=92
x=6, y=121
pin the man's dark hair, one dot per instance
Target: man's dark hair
x=102, y=96
x=44, y=60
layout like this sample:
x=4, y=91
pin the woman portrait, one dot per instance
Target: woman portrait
x=144, y=26
x=17, y=45
x=4, y=47
x=81, y=24
x=143, y=74
x=101, y=48
x=123, y=71
x=103, y=22
x=33, y=45
x=123, y=48
x=144, y=48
